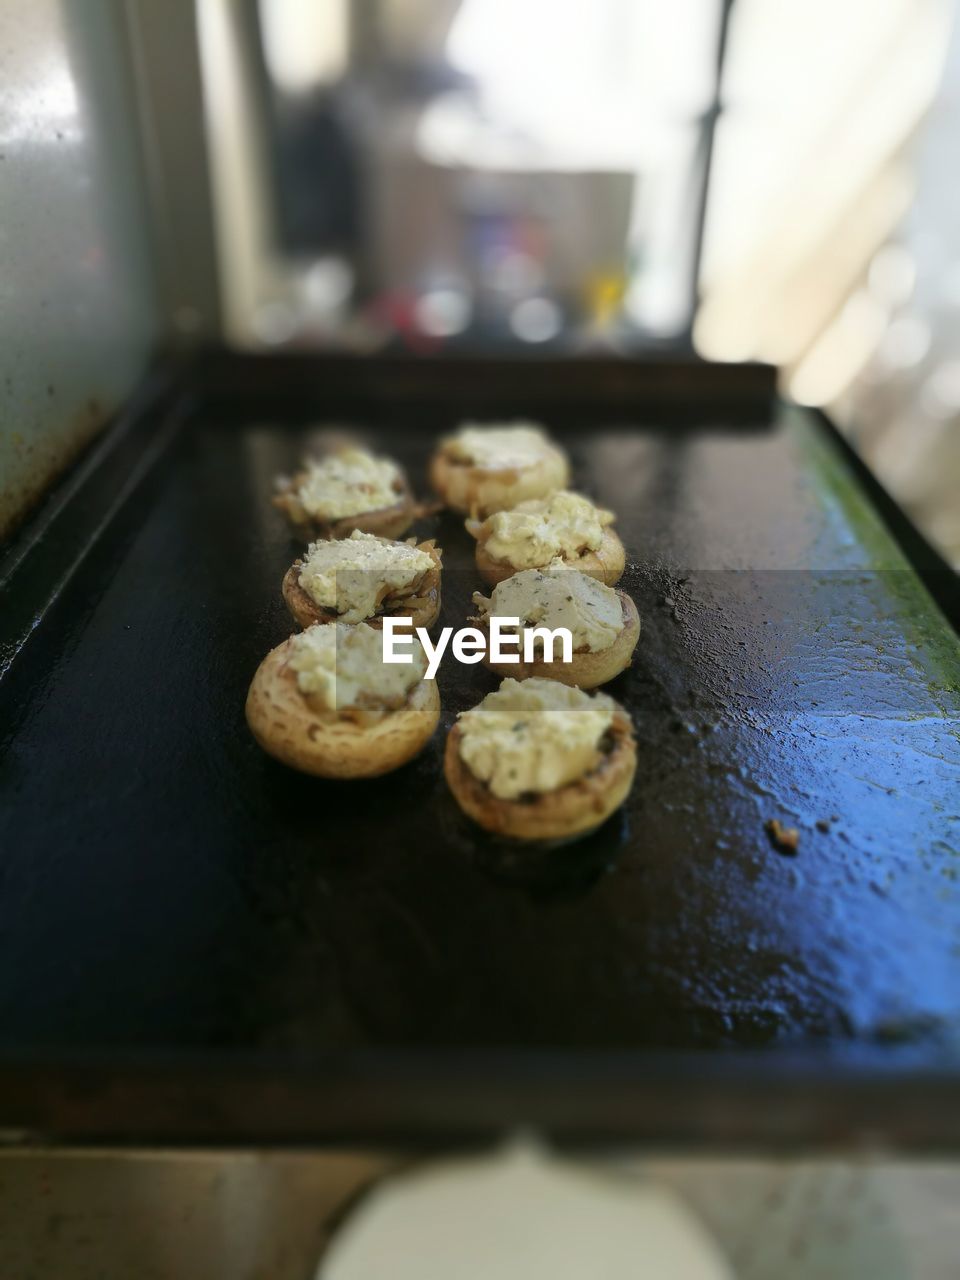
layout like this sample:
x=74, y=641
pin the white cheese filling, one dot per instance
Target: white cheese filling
x=542, y=529
x=498, y=448
x=558, y=597
x=534, y=736
x=342, y=666
x=348, y=483
x=354, y=575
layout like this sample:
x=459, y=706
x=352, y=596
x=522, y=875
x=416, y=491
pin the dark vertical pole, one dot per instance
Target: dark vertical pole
x=708, y=128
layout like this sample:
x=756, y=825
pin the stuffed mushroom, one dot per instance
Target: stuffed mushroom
x=483, y=469
x=364, y=578
x=564, y=527
x=538, y=761
x=346, y=490
x=604, y=626
x=324, y=702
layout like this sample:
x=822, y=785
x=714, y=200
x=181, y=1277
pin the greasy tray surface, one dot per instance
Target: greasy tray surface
x=164, y=886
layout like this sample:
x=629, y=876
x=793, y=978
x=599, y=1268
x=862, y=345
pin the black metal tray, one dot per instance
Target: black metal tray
x=198, y=945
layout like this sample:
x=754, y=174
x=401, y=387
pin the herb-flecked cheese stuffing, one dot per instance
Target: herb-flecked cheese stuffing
x=542, y=529
x=355, y=574
x=348, y=483
x=559, y=597
x=534, y=736
x=342, y=666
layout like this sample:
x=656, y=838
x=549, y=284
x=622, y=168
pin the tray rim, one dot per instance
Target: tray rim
x=811, y=1099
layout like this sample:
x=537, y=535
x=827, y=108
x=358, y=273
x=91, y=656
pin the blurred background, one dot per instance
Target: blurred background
x=771, y=178
x=758, y=180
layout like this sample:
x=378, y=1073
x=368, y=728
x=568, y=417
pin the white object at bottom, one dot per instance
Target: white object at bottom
x=521, y=1215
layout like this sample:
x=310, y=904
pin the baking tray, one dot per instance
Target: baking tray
x=197, y=945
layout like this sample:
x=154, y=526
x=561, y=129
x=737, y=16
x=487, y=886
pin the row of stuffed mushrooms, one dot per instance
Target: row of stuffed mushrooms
x=541, y=757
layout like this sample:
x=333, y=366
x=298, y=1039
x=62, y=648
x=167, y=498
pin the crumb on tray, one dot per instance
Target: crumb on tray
x=785, y=839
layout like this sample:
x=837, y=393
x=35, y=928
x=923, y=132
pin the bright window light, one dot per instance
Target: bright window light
x=305, y=41
x=565, y=84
